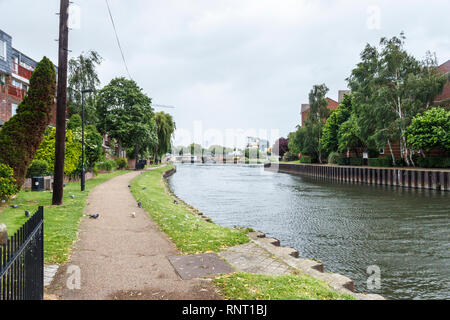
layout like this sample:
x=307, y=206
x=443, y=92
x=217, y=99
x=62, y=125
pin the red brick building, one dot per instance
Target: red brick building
x=444, y=98
x=15, y=74
x=332, y=105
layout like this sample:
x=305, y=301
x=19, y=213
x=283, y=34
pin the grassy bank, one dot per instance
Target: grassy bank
x=187, y=230
x=61, y=222
x=247, y=286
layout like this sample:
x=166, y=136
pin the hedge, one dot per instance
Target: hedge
x=356, y=161
x=8, y=186
x=380, y=162
x=433, y=162
x=305, y=159
x=38, y=168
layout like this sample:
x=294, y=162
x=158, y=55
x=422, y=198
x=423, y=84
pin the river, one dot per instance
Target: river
x=349, y=227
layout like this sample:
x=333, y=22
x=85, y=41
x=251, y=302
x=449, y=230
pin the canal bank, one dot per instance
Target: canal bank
x=402, y=177
x=348, y=227
x=256, y=260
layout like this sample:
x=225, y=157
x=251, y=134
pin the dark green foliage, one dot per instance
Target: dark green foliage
x=434, y=162
x=355, y=161
x=305, y=159
x=22, y=135
x=121, y=163
x=380, y=162
x=290, y=157
x=93, y=146
x=83, y=75
x=8, y=185
x=333, y=158
x=165, y=130
x=74, y=122
x=38, y=168
x=343, y=161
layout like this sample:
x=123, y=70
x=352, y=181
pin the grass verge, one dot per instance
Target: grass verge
x=247, y=286
x=60, y=222
x=187, y=230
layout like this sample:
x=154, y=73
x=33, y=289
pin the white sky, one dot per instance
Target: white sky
x=231, y=64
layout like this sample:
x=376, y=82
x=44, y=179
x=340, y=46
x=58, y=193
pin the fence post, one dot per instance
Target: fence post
x=3, y=235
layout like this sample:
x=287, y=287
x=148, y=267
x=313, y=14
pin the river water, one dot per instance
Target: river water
x=349, y=227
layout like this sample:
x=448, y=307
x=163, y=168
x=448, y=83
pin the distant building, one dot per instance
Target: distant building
x=257, y=143
x=15, y=73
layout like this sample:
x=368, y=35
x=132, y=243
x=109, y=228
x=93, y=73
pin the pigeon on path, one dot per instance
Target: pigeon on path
x=94, y=216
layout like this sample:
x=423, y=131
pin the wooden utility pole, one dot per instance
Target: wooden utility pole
x=61, y=104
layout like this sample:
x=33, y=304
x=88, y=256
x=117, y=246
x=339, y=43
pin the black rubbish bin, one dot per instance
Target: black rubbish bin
x=37, y=184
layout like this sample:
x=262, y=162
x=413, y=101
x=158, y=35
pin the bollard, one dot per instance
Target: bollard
x=3, y=235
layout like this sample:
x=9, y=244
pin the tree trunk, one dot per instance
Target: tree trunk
x=392, y=153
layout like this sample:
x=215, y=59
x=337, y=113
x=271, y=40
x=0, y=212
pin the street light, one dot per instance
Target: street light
x=83, y=173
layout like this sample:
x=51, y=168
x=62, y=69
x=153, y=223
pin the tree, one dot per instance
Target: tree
x=390, y=87
x=165, y=130
x=314, y=123
x=125, y=113
x=22, y=134
x=429, y=130
x=329, y=141
x=280, y=147
x=349, y=136
x=83, y=75
x=46, y=151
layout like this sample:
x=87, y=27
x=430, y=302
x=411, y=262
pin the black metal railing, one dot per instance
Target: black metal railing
x=22, y=262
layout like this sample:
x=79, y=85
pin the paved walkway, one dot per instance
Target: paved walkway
x=121, y=257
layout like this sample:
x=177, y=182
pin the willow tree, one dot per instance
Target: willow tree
x=165, y=128
x=22, y=135
x=83, y=75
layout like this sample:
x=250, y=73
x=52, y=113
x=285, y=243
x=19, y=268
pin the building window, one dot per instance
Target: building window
x=2, y=50
x=13, y=109
x=16, y=84
x=382, y=151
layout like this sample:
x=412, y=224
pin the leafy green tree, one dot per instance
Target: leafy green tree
x=390, y=87
x=314, y=123
x=165, y=130
x=83, y=75
x=349, y=136
x=126, y=114
x=74, y=122
x=46, y=151
x=429, y=130
x=23, y=133
x=329, y=141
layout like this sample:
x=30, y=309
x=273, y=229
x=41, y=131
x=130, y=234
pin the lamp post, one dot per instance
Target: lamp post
x=83, y=173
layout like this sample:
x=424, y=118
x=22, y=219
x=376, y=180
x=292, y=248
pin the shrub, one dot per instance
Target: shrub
x=305, y=159
x=72, y=153
x=433, y=162
x=356, y=161
x=121, y=163
x=22, y=134
x=8, y=185
x=289, y=157
x=380, y=162
x=333, y=158
x=38, y=168
x=343, y=161
x=107, y=165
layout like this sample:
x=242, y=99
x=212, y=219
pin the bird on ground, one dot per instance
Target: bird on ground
x=129, y=186
x=133, y=215
x=72, y=196
x=144, y=188
x=94, y=216
x=15, y=206
x=139, y=204
x=27, y=213
x=175, y=201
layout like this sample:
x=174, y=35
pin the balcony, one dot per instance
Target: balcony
x=16, y=92
x=21, y=71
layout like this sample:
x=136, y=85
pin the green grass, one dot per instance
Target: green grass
x=247, y=286
x=187, y=230
x=60, y=222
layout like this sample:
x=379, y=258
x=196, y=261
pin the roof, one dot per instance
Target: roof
x=445, y=67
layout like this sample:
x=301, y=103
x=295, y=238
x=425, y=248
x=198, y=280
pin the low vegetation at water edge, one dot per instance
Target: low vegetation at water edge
x=247, y=286
x=188, y=231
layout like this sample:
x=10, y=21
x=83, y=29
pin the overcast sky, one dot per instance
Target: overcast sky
x=231, y=64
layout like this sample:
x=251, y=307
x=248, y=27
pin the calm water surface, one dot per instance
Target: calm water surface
x=405, y=232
